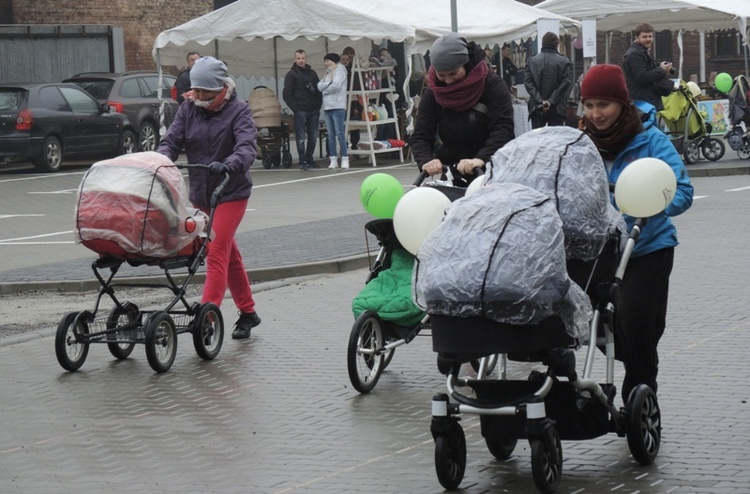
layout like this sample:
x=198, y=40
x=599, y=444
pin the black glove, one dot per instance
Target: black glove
x=219, y=168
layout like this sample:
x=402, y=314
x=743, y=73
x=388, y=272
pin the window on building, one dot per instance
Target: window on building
x=726, y=43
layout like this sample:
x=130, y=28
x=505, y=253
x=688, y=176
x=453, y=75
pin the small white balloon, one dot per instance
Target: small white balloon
x=417, y=214
x=645, y=187
x=474, y=186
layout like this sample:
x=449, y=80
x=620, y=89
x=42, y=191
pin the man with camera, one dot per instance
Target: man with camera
x=303, y=98
x=646, y=80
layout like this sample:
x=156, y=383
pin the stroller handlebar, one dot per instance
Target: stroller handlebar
x=477, y=172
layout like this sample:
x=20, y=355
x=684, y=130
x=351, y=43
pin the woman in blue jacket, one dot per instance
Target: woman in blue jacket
x=217, y=129
x=624, y=131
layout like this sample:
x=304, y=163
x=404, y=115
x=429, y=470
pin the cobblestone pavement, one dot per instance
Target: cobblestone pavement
x=277, y=414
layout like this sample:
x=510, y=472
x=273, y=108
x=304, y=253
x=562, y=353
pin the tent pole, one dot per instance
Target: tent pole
x=276, y=65
x=454, y=17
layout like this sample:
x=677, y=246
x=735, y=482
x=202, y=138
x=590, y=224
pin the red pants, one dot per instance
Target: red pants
x=224, y=265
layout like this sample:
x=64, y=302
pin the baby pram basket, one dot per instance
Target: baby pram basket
x=535, y=295
x=738, y=135
x=686, y=126
x=132, y=209
x=273, y=134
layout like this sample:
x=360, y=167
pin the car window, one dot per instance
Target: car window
x=130, y=88
x=51, y=99
x=98, y=89
x=13, y=99
x=80, y=101
x=168, y=83
x=150, y=85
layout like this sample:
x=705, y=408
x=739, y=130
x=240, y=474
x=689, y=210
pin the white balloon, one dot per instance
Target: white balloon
x=417, y=214
x=474, y=186
x=645, y=187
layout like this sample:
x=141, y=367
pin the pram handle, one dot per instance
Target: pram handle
x=219, y=188
x=478, y=172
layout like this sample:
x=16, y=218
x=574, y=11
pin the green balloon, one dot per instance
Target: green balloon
x=723, y=82
x=379, y=194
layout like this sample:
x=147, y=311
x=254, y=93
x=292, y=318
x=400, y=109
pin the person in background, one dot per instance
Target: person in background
x=646, y=78
x=333, y=88
x=468, y=106
x=489, y=59
x=302, y=95
x=506, y=67
x=216, y=128
x=355, y=111
x=548, y=80
x=624, y=132
x=183, y=80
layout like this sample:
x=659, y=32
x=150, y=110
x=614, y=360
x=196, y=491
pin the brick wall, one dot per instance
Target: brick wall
x=140, y=20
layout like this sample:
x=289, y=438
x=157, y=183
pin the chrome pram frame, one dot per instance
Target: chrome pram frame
x=548, y=407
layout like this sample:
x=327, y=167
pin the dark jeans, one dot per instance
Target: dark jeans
x=539, y=119
x=306, y=124
x=642, y=316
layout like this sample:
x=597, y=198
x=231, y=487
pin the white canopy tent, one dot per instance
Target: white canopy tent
x=675, y=15
x=258, y=38
x=488, y=22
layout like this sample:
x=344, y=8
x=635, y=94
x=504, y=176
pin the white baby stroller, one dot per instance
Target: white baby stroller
x=546, y=259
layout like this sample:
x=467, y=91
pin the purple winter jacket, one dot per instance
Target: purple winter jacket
x=227, y=136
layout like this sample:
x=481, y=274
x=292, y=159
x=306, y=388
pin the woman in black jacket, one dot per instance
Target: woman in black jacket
x=465, y=114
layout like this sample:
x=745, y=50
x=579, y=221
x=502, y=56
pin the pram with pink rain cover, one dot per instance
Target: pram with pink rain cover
x=133, y=209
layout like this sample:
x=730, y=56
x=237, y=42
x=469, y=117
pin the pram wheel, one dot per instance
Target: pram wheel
x=121, y=317
x=691, y=152
x=69, y=351
x=266, y=160
x=712, y=149
x=643, y=424
x=364, y=365
x=546, y=461
x=501, y=448
x=208, y=331
x=286, y=159
x=161, y=341
x=744, y=152
x=276, y=160
x=450, y=455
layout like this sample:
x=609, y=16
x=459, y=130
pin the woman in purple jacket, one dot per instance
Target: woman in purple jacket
x=216, y=128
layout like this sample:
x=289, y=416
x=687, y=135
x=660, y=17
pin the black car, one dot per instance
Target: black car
x=47, y=122
x=136, y=94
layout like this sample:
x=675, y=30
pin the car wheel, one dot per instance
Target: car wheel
x=149, y=137
x=50, y=158
x=128, y=143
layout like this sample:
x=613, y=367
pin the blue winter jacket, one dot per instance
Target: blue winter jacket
x=659, y=232
x=227, y=136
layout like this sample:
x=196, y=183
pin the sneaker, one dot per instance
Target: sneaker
x=304, y=167
x=244, y=324
x=312, y=164
x=345, y=162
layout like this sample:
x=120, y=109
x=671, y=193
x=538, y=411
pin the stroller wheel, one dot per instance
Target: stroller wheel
x=450, y=455
x=712, y=149
x=161, y=341
x=276, y=160
x=266, y=160
x=692, y=152
x=286, y=159
x=122, y=318
x=364, y=365
x=501, y=448
x=208, y=331
x=546, y=461
x=70, y=352
x=643, y=424
x=744, y=152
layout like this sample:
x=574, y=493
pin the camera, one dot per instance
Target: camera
x=672, y=71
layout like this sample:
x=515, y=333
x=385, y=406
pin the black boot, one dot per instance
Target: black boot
x=244, y=324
